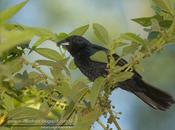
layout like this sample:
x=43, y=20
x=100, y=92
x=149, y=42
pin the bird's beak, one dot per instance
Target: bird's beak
x=65, y=43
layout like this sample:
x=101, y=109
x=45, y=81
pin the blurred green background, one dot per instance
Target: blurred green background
x=115, y=15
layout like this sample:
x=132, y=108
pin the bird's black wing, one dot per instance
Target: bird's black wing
x=122, y=62
x=119, y=61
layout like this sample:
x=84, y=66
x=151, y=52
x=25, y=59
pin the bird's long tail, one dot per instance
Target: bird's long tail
x=152, y=96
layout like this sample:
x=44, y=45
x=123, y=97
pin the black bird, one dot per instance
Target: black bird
x=81, y=50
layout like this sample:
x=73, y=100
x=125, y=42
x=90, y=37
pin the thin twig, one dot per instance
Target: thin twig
x=102, y=125
x=114, y=120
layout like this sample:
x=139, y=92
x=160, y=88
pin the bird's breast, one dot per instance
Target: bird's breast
x=90, y=68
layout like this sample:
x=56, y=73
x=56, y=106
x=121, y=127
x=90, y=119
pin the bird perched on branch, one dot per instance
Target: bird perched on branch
x=81, y=50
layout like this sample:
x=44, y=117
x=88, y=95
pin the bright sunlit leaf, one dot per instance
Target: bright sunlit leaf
x=132, y=37
x=49, y=53
x=80, y=31
x=10, y=12
x=39, y=42
x=99, y=56
x=101, y=33
x=84, y=122
x=10, y=39
x=95, y=91
x=130, y=49
x=62, y=36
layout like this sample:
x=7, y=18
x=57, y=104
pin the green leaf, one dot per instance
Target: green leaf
x=46, y=62
x=165, y=23
x=79, y=94
x=14, y=53
x=8, y=70
x=85, y=122
x=130, y=49
x=155, y=25
x=165, y=5
x=132, y=37
x=72, y=65
x=25, y=113
x=80, y=31
x=49, y=53
x=118, y=43
x=10, y=29
x=152, y=35
x=144, y=21
x=44, y=108
x=64, y=89
x=11, y=39
x=76, y=95
x=35, y=31
x=95, y=91
x=61, y=36
x=17, y=65
x=13, y=35
x=59, y=65
x=8, y=102
x=10, y=12
x=78, y=87
x=42, y=33
x=99, y=56
x=123, y=76
x=101, y=33
x=172, y=28
x=39, y=42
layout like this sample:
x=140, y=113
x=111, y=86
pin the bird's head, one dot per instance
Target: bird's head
x=74, y=44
